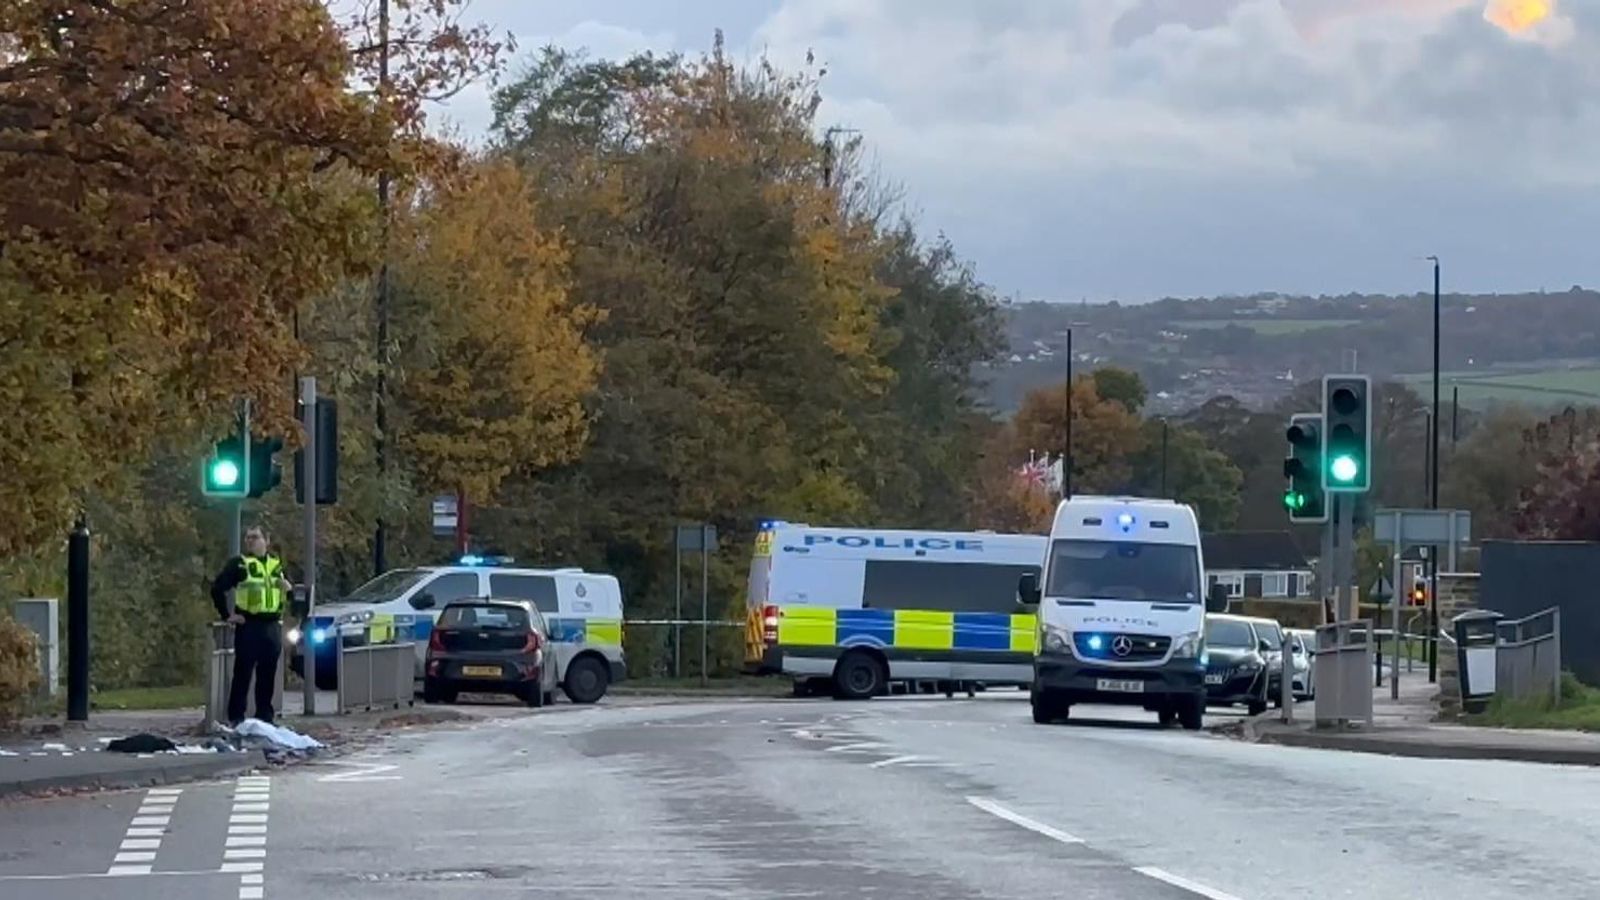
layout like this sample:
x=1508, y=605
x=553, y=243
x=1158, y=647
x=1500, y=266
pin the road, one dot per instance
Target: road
x=917, y=798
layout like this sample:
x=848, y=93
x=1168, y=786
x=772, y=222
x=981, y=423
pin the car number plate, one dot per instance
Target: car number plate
x=1214, y=679
x=481, y=671
x=1119, y=686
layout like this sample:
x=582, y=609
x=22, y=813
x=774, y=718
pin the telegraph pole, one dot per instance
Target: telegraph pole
x=1066, y=460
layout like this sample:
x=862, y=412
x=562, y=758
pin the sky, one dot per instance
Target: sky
x=1136, y=149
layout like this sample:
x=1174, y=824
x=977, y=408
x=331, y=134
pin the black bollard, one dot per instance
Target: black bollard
x=78, y=622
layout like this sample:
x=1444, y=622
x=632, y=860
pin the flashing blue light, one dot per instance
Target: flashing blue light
x=472, y=559
x=318, y=635
x=1096, y=643
x=1125, y=521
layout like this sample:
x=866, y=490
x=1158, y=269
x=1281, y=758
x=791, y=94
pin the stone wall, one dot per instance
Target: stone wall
x=1458, y=593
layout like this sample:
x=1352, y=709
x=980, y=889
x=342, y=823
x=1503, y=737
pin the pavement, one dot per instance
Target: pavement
x=1406, y=727
x=52, y=756
x=893, y=799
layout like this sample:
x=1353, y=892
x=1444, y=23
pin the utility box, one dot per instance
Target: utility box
x=42, y=617
x=1477, y=653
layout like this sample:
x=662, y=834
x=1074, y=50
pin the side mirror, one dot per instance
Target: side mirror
x=423, y=600
x=1217, y=599
x=1028, y=589
x=1264, y=645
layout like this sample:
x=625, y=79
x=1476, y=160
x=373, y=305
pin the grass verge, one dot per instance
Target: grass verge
x=1579, y=710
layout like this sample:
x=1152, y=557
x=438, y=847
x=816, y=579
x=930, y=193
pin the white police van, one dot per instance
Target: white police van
x=854, y=610
x=583, y=611
x=1121, y=610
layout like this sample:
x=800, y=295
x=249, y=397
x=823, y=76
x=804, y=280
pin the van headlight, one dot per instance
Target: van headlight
x=1057, y=639
x=1186, y=646
x=293, y=636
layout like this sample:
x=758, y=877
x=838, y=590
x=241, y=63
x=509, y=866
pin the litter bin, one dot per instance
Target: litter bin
x=1476, y=639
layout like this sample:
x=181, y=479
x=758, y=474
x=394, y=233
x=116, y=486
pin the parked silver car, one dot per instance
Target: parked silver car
x=1303, y=642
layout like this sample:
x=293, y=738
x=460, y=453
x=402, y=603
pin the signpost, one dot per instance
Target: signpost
x=701, y=538
x=1407, y=528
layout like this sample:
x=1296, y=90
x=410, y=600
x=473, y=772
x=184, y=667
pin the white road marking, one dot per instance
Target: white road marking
x=893, y=761
x=245, y=850
x=860, y=747
x=141, y=841
x=362, y=772
x=995, y=809
x=1193, y=887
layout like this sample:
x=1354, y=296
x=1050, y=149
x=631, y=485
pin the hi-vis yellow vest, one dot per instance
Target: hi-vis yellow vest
x=259, y=592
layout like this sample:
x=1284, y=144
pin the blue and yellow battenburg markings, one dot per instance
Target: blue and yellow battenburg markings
x=384, y=629
x=906, y=629
x=584, y=630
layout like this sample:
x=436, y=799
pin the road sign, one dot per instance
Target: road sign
x=1423, y=526
x=445, y=514
x=1382, y=590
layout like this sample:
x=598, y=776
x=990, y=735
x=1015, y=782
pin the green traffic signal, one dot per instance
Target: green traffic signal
x=224, y=473
x=1294, y=501
x=1344, y=468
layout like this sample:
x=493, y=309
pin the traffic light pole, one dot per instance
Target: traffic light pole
x=1394, y=600
x=236, y=504
x=308, y=407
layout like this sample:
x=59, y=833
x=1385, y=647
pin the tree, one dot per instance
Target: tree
x=1121, y=386
x=1105, y=435
x=177, y=179
x=1490, y=471
x=1196, y=473
x=495, y=368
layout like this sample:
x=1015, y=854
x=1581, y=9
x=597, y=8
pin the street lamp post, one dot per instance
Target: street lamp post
x=1433, y=489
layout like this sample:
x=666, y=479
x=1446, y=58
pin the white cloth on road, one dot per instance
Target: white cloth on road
x=277, y=735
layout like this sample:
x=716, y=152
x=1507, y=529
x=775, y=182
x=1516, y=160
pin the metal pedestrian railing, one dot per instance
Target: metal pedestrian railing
x=378, y=672
x=219, y=676
x=1344, y=664
x=1528, y=656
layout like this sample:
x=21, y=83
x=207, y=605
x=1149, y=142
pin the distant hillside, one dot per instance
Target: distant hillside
x=1536, y=349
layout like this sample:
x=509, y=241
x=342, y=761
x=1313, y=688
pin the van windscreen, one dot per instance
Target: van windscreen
x=1116, y=570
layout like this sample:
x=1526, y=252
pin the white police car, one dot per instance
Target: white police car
x=583, y=609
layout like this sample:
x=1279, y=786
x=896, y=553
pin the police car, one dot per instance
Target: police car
x=583, y=610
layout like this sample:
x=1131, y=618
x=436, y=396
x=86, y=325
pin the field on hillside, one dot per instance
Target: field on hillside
x=1549, y=387
x=1264, y=326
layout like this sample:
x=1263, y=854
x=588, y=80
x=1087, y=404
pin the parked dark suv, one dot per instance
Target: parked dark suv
x=490, y=646
x=1236, y=665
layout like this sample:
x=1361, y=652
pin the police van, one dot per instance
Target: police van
x=854, y=610
x=1121, y=610
x=582, y=609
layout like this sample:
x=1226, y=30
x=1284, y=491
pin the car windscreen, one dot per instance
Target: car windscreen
x=1227, y=633
x=486, y=616
x=1117, y=570
x=386, y=587
x=1269, y=632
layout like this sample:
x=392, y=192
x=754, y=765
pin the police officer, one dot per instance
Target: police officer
x=260, y=594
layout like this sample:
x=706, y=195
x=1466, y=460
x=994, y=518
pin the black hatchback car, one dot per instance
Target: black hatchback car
x=490, y=646
x=1236, y=667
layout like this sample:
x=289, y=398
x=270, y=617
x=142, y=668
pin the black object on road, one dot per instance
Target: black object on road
x=142, y=743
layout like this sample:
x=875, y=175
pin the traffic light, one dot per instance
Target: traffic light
x=327, y=450
x=1303, y=497
x=1347, y=434
x=266, y=473
x=226, y=472
x=1419, y=593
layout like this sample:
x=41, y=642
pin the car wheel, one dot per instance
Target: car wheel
x=586, y=680
x=533, y=696
x=1166, y=715
x=434, y=692
x=1048, y=710
x=1256, y=707
x=1191, y=715
x=859, y=676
